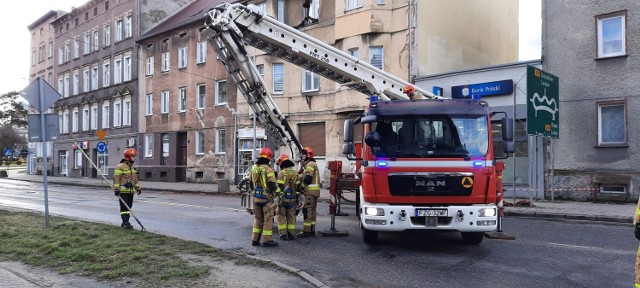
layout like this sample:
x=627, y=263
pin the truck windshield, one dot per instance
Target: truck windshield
x=437, y=136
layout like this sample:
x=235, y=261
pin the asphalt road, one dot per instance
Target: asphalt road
x=545, y=254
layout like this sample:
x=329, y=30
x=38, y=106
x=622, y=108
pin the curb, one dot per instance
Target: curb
x=300, y=273
x=558, y=216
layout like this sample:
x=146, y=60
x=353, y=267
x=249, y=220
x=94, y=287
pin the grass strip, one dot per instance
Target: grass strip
x=102, y=251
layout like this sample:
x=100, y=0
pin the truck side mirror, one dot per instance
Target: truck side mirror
x=509, y=146
x=347, y=149
x=348, y=131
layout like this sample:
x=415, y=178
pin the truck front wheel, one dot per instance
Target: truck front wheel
x=472, y=238
x=368, y=236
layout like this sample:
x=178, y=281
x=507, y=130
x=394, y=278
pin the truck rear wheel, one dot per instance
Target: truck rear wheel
x=472, y=238
x=368, y=236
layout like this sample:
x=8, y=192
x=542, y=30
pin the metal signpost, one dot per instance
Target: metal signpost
x=41, y=96
x=543, y=108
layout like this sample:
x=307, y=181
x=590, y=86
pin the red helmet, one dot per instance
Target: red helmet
x=266, y=153
x=130, y=152
x=409, y=90
x=307, y=151
x=282, y=158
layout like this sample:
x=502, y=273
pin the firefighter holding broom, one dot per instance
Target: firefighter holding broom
x=125, y=184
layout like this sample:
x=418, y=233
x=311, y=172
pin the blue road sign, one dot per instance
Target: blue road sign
x=101, y=147
x=8, y=152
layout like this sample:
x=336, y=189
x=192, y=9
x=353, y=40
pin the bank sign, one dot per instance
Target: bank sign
x=479, y=90
x=542, y=103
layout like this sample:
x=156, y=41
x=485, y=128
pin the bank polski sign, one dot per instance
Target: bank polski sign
x=542, y=103
x=479, y=90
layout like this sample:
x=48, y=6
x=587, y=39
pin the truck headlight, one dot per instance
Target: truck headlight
x=374, y=211
x=487, y=212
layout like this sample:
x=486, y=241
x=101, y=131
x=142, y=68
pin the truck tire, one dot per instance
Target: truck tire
x=368, y=236
x=472, y=238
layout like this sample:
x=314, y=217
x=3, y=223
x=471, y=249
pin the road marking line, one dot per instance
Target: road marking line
x=613, y=251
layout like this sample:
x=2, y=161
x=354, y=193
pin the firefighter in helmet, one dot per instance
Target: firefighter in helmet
x=310, y=179
x=288, y=183
x=263, y=184
x=125, y=184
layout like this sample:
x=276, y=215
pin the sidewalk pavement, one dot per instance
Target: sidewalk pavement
x=601, y=212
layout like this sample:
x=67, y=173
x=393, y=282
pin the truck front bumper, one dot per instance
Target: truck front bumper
x=471, y=218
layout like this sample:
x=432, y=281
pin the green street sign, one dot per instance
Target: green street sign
x=542, y=103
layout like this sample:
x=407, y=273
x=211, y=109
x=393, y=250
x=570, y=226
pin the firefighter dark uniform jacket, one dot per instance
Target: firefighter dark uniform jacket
x=125, y=178
x=288, y=182
x=311, y=170
x=261, y=176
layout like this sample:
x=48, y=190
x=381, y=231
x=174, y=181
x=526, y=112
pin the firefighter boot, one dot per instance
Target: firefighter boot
x=124, y=220
x=127, y=225
x=284, y=237
x=256, y=242
x=291, y=237
x=270, y=244
x=306, y=234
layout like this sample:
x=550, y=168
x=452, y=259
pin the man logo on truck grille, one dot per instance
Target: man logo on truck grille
x=467, y=182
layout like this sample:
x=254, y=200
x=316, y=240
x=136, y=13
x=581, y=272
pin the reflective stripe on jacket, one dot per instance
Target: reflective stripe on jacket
x=288, y=177
x=311, y=168
x=123, y=174
x=260, y=175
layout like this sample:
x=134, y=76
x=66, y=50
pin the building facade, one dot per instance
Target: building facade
x=42, y=65
x=188, y=103
x=591, y=47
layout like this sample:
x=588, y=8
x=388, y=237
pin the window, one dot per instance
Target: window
x=201, y=52
x=313, y=135
x=117, y=113
x=280, y=10
x=87, y=80
x=76, y=48
x=85, y=119
x=50, y=53
x=67, y=52
x=62, y=158
x=60, y=85
x=60, y=123
x=148, y=145
x=278, y=78
x=221, y=92
x=117, y=71
x=76, y=82
x=148, y=105
x=311, y=81
x=94, y=117
x=126, y=112
x=65, y=122
x=60, y=56
x=74, y=119
x=612, y=123
x=106, y=76
x=128, y=27
x=314, y=10
x=118, y=30
x=165, y=62
x=611, y=35
x=94, y=77
x=260, y=68
x=354, y=52
x=127, y=68
x=201, y=96
x=221, y=141
x=149, y=66
x=164, y=160
x=199, y=142
x=78, y=156
x=376, y=56
x=164, y=102
x=87, y=43
x=182, y=57
x=96, y=40
x=182, y=101
x=107, y=34
x=66, y=85
x=105, y=115
x=353, y=4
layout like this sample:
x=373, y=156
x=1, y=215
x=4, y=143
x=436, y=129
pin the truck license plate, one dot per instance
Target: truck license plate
x=432, y=212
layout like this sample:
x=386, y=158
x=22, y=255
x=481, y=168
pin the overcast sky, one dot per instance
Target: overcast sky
x=16, y=56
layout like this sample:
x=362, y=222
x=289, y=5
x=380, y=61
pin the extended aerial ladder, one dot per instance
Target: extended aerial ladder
x=235, y=26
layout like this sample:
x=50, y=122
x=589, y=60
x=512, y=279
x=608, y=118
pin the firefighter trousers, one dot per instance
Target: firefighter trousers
x=262, y=220
x=128, y=198
x=637, y=269
x=287, y=217
x=311, y=203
